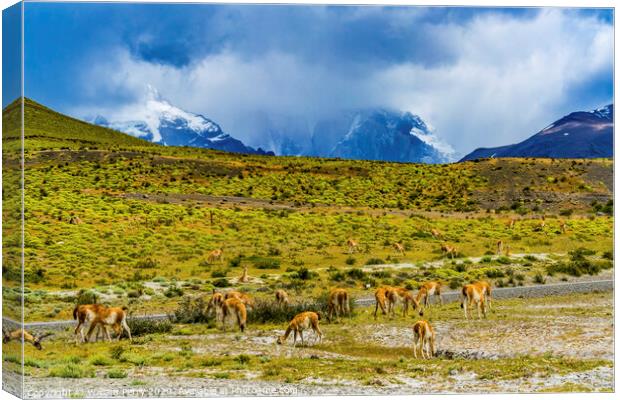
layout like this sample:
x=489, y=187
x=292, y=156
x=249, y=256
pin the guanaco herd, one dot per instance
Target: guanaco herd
x=235, y=305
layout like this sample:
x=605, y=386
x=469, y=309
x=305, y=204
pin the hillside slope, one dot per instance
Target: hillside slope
x=582, y=134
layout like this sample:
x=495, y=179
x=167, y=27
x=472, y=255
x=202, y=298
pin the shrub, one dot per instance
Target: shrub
x=147, y=263
x=219, y=273
x=116, y=374
x=116, y=352
x=608, y=255
x=71, y=371
x=266, y=263
x=375, y=261
x=304, y=274
x=173, y=291
x=539, y=278
x=222, y=282
x=86, y=297
x=350, y=260
x=99, y=360
x=356, y=273
x=494, y=273
x=242, y=359
x=146, y=326
x=503, y=260
x=190, y=311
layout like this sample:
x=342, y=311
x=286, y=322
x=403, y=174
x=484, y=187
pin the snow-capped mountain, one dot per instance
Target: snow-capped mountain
x=161, y=122
x=368, y=134
x=379, y=134
x=582, y=134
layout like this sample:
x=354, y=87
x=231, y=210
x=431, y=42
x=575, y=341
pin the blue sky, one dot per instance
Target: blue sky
x=481, y=77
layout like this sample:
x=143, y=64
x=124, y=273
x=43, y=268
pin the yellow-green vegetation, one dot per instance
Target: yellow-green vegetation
x=134, y=222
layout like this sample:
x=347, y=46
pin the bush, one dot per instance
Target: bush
x=266, y=263
x=116, y=352
x=350, y=260
x=266, y=311
x=219, y=273
x=116, y=374
x=539, y=278
x=99, y=360
x=304, y=274
x=86, y=297
x=190, y=311
x=494, y=273
x=503, y=260
x=242, y=359
x=145, y=326
x=147, y=263
x=222, y=282
x=375, y=261
x=356, y=273
x=71, y=371
x=173, y=291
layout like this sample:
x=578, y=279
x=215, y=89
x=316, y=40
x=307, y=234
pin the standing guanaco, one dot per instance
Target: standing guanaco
x=399, y=248
x=215, y=305
x=302, y=321
x=486, y=291
x=85, y=314
x=281, y=298
x=352, y=245
x=448, y=250
x=427, y=290
x=338, y=302
x=500, y=245
x=423, y=339
x=215, y=255
x=563, y=226
x=244, y=277
x=101, y=316
x=25, y=336
x=380, y=300
x=511, y=223
x=233, y=307
x=396, y=295
x=470, y=294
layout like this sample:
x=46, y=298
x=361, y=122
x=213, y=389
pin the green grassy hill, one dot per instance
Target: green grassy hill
x=108, y=211
x=47, y=129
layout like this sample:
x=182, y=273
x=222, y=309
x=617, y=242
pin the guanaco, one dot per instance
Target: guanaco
x=24, y=336
x=352, y=245
x=233, y=307
x=97, y=314
x=448, y=250
x=486, y=291
x=244, y=278
x=243, y=297
x=338, y=302
x=563, y=226
x=216, y=255
x=507, y=251
x=281, y=298
x=500, y=245
x=215, y=305
x=399, y=248
x=470, y=294
x=436, y=234
x=396, y=295
x=381, y=300
x=302, y=321
x=423, y=339
x=511, y=223
x=427, y=290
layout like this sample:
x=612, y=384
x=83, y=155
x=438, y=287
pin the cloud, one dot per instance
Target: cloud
x=490, y=79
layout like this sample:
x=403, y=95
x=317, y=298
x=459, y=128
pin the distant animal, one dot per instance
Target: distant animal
x=244, y=277
x=234, y=308
x=423, y=339
x=338, y=303
x=243, y=297
x=436, y=234
x=381, y=300
x=215, y=255
x=473, y=294
x=563, y=226
x=25, y=337
x=511, y=223
x=427, y=290
x=399, y=248
x=507, y=251
x=448, y=250
x=401, y=295
x=281, y=298
x=500, y=246
x=301, y=322
x=352, y=245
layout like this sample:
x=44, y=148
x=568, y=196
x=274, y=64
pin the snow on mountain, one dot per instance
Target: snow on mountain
x=581, y=134
x=159, y=121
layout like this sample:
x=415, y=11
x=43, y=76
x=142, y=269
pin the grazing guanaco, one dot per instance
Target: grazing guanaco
x=563, y=226
x=399, y=248
x=427, y=290
x=448, y=250
x=24, y=336
x=244, y=277
x=243, y=297
x=380, y=300
x=436, y=234
x=281, y=298
x=338, y=302
x=233, y=307
x=470, y=294
x=302, y=321
x=99, y=315
x=402, y=295
x=423, y=339
x=215, y=305
x=352, y=245
x=500, y=245
x=216, y=255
